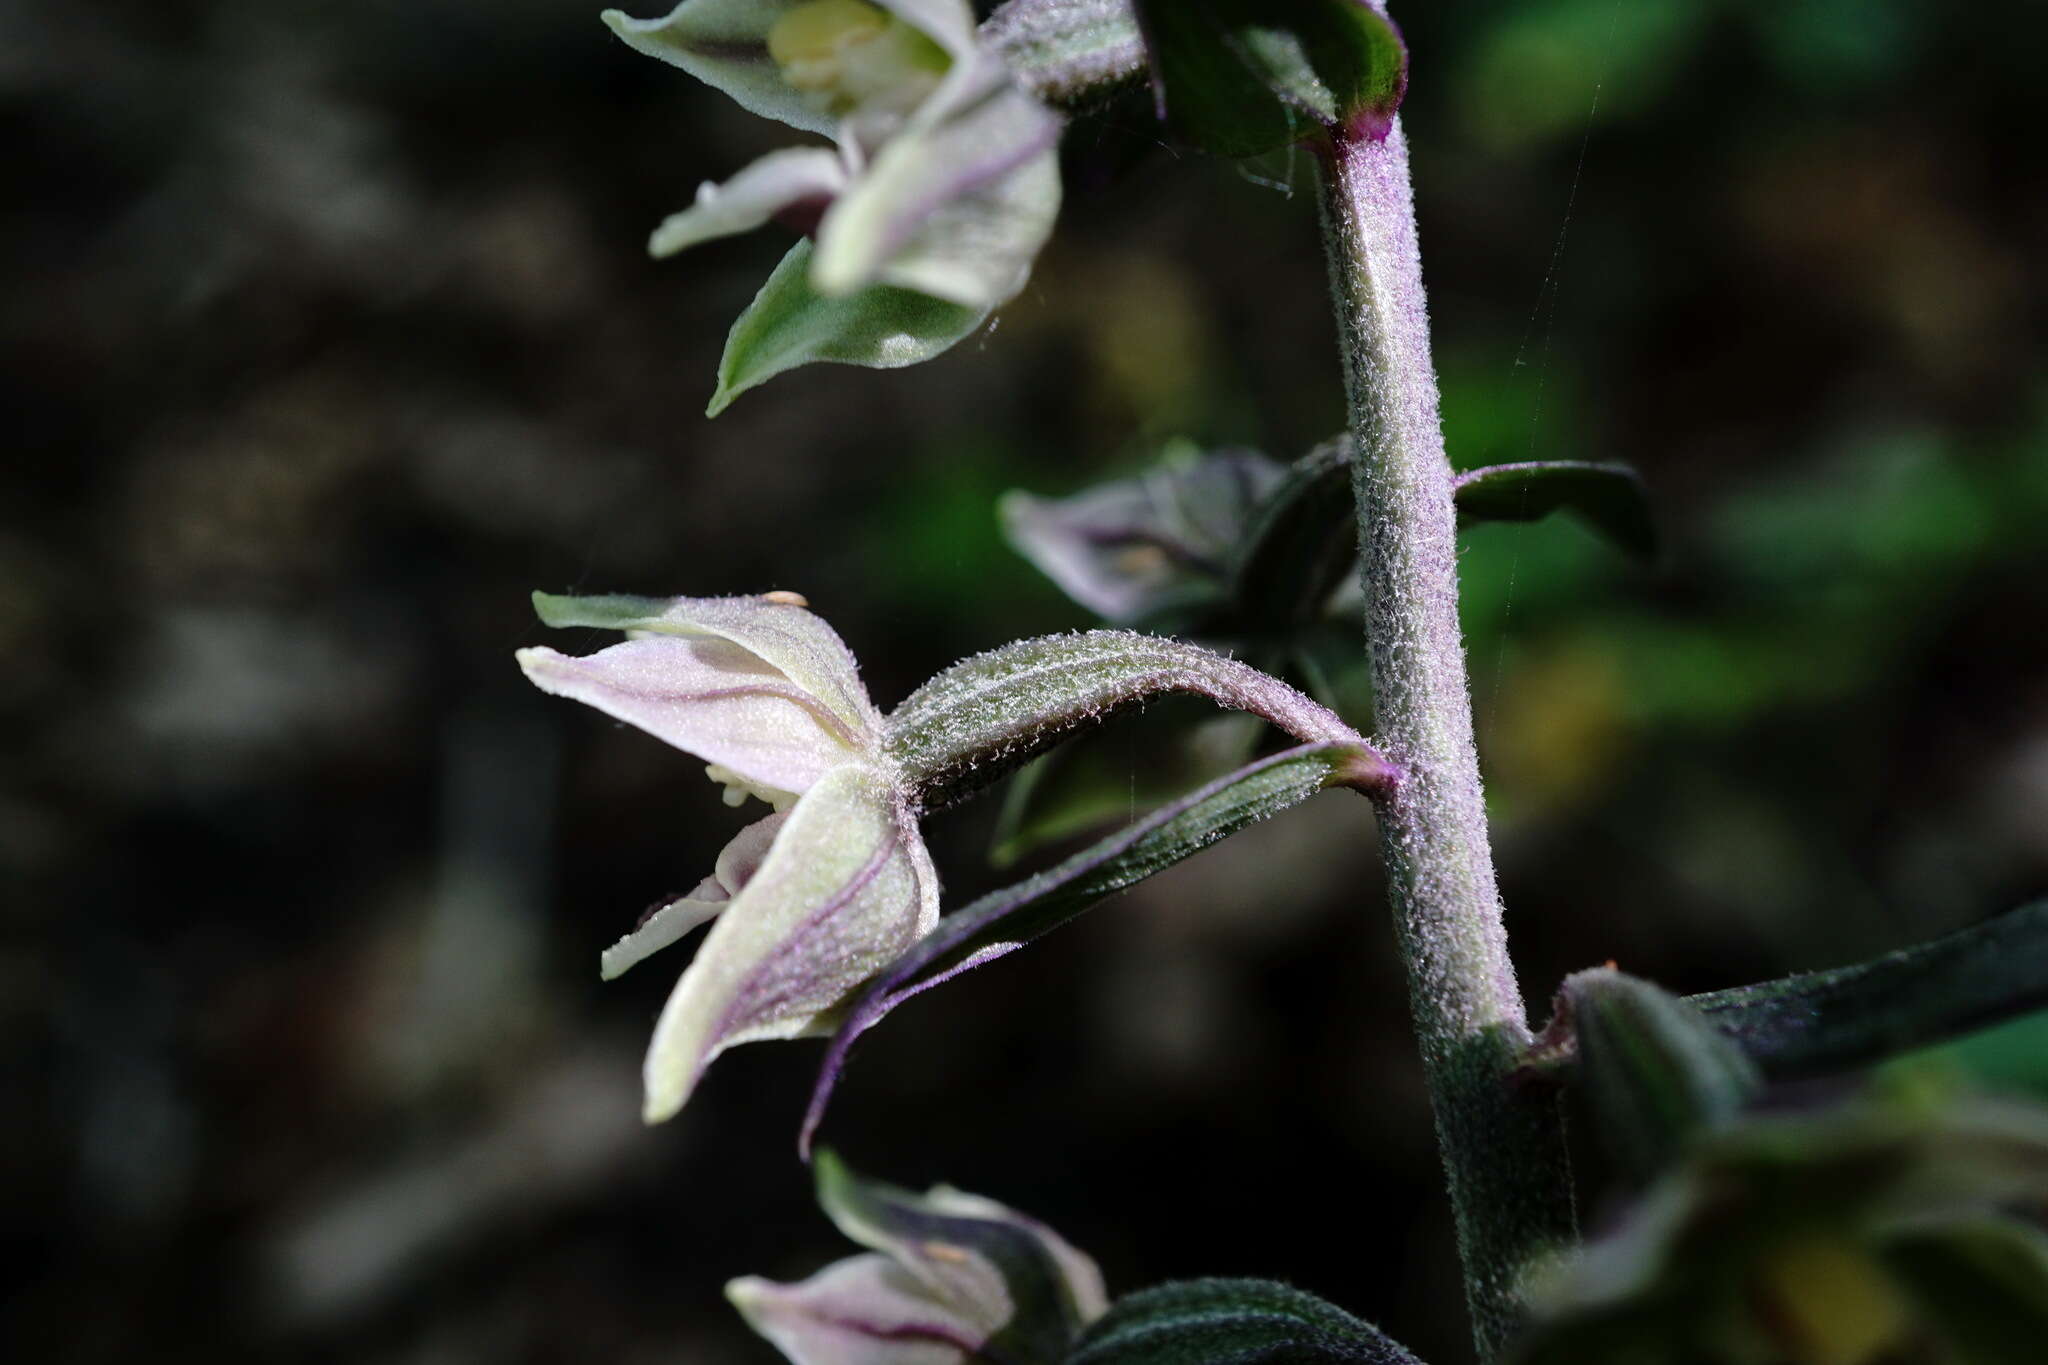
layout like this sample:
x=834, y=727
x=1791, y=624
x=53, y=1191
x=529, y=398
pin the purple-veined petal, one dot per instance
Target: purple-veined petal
x=724, y=43
x=1011, y=1279
x=844, y=889
x=709, y=697
x=1006, y=919
x=865, y=1310
x=1076, y=1267
x=737, y=864
x=775, y=626
x=954, y=206
x=791, y=178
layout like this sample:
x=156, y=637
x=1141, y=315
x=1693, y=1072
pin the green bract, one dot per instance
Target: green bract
x=941, y=187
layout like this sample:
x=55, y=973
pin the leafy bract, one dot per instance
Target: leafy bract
x=1240, y=77
x=1233, y=1322
x=789, y=323
x=1005, y=920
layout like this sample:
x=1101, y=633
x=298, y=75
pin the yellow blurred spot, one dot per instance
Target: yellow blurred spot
x=1828, y=1303
x=807, y=41
x=782, y=597
x=846, y=54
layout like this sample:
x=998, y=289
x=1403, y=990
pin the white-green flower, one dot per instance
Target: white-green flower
x=949, y=1279
x=942, y=180
x=806, y=903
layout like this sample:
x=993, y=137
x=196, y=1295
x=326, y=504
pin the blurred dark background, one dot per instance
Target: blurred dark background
x=328, y=335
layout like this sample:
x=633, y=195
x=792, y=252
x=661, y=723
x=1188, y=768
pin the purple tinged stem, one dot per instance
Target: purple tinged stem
x=1503, y=1152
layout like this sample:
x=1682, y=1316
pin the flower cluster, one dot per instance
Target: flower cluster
x=942, y=180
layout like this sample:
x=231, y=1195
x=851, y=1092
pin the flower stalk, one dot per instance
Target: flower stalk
x=1503, y=1151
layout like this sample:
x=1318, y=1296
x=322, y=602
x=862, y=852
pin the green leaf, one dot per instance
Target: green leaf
x=1608, y=497
x=1301, y=540
x=1240, y=77
x=789, y=324
x=1232, y=1322
x=986, y=716
x=1116, y=775
x=1831, y=1020
x=1654, y=1072
x=1003, y=921
x=1983, y=1282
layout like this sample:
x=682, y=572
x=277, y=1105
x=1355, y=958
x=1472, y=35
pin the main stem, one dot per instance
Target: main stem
x=1503, y=1151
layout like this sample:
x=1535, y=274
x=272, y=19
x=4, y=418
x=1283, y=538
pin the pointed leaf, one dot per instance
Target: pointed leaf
x=1233, y=1322
x=1003, y=921
x=1826, y=1021
x=985, y=716
x=1301, y=540
x=844, y=890
x=1115, y=776
x=1608, y=497
x=1655, y=1073
x=789, y=323
x=1239, y=77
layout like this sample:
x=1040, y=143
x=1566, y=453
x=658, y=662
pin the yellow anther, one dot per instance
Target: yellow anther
x=783, y=597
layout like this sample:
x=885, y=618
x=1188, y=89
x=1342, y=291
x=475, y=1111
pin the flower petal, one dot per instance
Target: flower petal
x=780, y=180
x=724, y=43
x=949, y=23
x=775, y=627
x=736, y=867
x=1011, y=1277
x=956, y=206
x=844, y=889
x=709, y=697
x=864, y=1310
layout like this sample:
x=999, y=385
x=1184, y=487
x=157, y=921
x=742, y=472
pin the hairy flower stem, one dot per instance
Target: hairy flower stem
x=1503, y=1150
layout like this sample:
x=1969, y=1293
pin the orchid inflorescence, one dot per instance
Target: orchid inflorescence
x=1850, y=1226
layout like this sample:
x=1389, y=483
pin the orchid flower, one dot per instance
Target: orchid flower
x=943, y=180
x=805, y=903
x=950, y=1278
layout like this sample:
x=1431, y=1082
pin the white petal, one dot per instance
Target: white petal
x=956, y=207
x=709, y=697
x=737, y=863
x=949, y=23
x=663, y=927
x=724, y=43
x=864, y=1310
x=786, y=636
x=844, y=890
x=779, y=180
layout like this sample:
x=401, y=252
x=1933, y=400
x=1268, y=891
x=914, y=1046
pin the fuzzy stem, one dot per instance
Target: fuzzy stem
x=1503, y=1151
